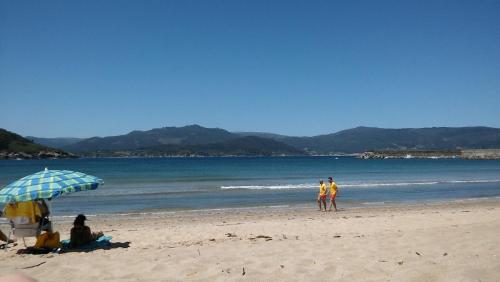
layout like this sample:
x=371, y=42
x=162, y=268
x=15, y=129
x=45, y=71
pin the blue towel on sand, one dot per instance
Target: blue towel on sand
x=101, y=242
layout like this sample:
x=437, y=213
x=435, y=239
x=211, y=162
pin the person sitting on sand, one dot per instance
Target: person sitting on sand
x=333, y=194
x=81, y=234
x=322, y=194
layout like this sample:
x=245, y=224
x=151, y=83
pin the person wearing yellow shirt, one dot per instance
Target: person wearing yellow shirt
x=322, y=194
x=333, y=194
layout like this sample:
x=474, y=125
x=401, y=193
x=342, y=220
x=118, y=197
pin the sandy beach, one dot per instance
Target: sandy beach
x=455, y=241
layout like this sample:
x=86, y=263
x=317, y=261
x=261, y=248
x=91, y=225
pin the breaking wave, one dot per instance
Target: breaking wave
x=355, y=185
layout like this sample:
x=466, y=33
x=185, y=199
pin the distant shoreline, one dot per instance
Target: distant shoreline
x=473, y=154
x=470, y=154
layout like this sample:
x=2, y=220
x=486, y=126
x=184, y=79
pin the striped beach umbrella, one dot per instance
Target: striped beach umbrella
x=48, y=184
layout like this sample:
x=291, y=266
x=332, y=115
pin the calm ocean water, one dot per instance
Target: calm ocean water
x=153, y=184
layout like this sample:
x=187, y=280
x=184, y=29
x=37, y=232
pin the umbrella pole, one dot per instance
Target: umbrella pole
x=49, y=206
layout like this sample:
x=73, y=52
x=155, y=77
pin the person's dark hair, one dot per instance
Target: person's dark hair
x=80, y=220
x=330, y=178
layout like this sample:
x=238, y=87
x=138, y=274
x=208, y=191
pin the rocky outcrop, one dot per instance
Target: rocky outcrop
x=481, y=154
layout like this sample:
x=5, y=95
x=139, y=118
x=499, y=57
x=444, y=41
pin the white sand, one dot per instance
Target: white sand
x=454, y=242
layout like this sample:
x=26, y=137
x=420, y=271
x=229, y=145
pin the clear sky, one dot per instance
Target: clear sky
x=96, y=68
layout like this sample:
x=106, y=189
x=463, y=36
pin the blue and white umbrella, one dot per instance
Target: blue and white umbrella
x=48, y=184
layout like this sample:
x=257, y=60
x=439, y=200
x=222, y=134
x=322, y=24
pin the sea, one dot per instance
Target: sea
x=148, y=185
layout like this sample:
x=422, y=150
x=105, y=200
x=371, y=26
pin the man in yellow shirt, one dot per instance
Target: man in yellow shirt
x=322, y=194
x=333, y=194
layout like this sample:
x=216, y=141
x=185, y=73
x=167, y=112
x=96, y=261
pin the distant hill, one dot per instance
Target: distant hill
x=196, y=139
x=11, y=142
x=58, y=142
x=136, y=140
x=187, y=140
x=267, y=135
x=15, y=146
x=240, y=146
x=362, y=139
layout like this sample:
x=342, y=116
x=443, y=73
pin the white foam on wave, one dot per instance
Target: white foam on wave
x=474, y=181
x=273, y=187
x=373, y=203
x=362, y=185
x=355, y=185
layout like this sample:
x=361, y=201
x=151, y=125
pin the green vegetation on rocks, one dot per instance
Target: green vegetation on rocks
x=14, y=146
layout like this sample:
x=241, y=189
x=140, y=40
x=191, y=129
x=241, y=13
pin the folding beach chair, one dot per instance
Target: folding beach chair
x=28, y=219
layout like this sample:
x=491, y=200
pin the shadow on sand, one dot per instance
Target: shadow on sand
x=112, y=245
x=36, y=251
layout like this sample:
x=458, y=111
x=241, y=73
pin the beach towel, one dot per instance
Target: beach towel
x=100, y=242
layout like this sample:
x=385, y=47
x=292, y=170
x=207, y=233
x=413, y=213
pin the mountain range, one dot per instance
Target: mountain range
x=361, y=139
x=198, y=140
x=174, y=141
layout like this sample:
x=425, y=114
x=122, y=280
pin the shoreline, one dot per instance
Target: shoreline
x=285, y=207
x=274, y=211
x=467, y=154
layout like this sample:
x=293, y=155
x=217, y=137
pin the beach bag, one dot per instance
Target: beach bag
x=48, y=240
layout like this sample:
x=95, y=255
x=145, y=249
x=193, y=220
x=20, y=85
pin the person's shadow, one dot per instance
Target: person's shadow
x=110, y=246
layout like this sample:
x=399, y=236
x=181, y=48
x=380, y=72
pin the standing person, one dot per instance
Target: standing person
x=333, y=194
x=322, y=195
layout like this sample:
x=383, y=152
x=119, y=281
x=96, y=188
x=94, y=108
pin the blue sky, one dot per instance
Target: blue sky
x=97, y=68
